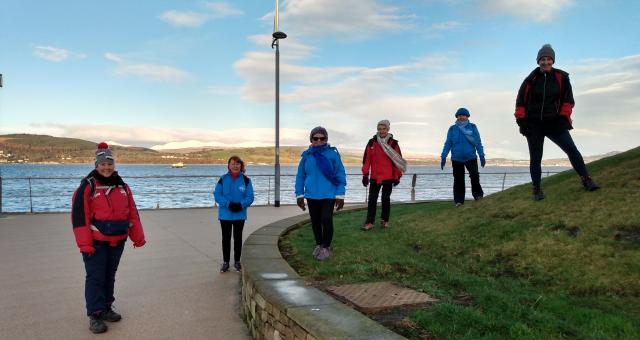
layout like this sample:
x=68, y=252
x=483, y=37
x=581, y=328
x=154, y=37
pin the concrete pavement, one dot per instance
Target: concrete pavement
x=169, y=289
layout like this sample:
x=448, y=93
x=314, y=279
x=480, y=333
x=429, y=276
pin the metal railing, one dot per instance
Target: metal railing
x=42, y=194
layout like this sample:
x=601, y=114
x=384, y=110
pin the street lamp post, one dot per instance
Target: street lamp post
x=277, y=35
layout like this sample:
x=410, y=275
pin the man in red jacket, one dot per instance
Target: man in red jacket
x=383, y=157
x=103, y=214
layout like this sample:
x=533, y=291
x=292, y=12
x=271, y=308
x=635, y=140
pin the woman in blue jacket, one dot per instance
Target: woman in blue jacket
x=234, y=194
x=321, y=179
x=463, y=140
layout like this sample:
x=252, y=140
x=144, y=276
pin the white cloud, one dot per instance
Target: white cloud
x=184, y=18
x=535, y=10
x=153, y=72
x=212, y=10
x=55, y=54
x=223, y=9
x=350, y=100
x=339, y=18
x=168, y=138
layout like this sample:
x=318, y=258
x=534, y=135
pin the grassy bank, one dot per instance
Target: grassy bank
x=506, y=266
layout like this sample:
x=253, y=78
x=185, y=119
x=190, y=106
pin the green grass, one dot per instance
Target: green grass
x=506, y=266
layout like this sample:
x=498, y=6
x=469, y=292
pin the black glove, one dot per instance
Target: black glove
x=339, y=203
x=235, y=207
x=396, y=182
x=300, y=203
x=365, y=180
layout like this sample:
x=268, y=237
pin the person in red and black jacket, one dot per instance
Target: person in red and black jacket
x=543, y=109
x=383, y=157
x=103, y=215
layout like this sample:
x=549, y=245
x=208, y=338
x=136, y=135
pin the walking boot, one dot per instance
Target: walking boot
x=96, y=324
x=538, y=195
x=225, y=267
x=237, y=266
x=110, y=315
x=589, y=184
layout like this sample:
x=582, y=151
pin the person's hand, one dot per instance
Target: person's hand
x=139, y=244
x=443, y=161
x=365, y=180
x=396, y=182
x=300, y=203
x=339, y=203
x=89, y=250
x=483, y=162
x=235, y=207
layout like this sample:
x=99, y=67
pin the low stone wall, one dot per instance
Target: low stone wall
x=277, y=303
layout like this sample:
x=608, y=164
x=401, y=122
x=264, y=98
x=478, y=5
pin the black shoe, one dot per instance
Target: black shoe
x=110, y=315
x=589, y=184
x=538, y=195
x=96, y=324
x=237, y=266
x=477, y=198
x=225, y=267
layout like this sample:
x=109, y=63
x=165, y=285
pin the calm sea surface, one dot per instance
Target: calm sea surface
x=45, y=188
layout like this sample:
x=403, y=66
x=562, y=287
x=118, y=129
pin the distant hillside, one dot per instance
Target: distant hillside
x=27, y=148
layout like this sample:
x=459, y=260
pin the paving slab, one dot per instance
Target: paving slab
x=292, y=293
x=268, y=269
x=169, y=289
x=337, y=321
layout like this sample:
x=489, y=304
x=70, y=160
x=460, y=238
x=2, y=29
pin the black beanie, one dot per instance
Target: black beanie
x=546, y=51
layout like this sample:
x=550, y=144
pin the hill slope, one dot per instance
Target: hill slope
x=506, y=266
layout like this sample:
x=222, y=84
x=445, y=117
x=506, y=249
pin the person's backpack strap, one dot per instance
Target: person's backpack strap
x=246, y=180
x=92, y=184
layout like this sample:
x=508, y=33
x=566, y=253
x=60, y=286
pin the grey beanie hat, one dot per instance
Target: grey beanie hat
x=104, y=154
x=320, y=130
x=546, y=51
x=386, y=123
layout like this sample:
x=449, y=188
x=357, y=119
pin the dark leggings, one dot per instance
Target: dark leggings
x=374, y=190
x=227, y=226
x=321, y=213
x=459, y=188
x=535, y=139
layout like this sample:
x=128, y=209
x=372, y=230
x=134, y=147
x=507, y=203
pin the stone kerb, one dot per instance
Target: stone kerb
x=277, y=304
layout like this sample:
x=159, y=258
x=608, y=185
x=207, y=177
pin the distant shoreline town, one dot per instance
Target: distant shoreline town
x=42, y=149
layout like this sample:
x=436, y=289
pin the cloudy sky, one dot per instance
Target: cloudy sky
x=169, y=74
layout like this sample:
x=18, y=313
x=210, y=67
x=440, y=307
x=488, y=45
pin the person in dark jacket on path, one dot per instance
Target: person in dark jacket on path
x=322, y=180
x=463, y=140
x=103, y=214
x=543, y=109
x=382, y=167
x=233, y=194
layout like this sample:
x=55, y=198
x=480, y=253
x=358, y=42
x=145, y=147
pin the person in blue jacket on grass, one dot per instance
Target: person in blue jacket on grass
x=463, y=140
x=321, y=179
x=233, y=194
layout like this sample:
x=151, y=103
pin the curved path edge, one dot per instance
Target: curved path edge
x=278, y=304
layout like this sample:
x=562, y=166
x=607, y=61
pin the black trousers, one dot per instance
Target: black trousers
x=227, y=227
x=458, y=180
x=321, y=213
x=101, y=270
x=374, y=190
x=535, y=139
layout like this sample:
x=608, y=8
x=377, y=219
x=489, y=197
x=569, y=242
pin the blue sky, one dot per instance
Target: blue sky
x=169, y=74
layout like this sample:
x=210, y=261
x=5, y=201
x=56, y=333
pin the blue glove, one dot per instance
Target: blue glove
x=482, y=162
x=443, y=161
